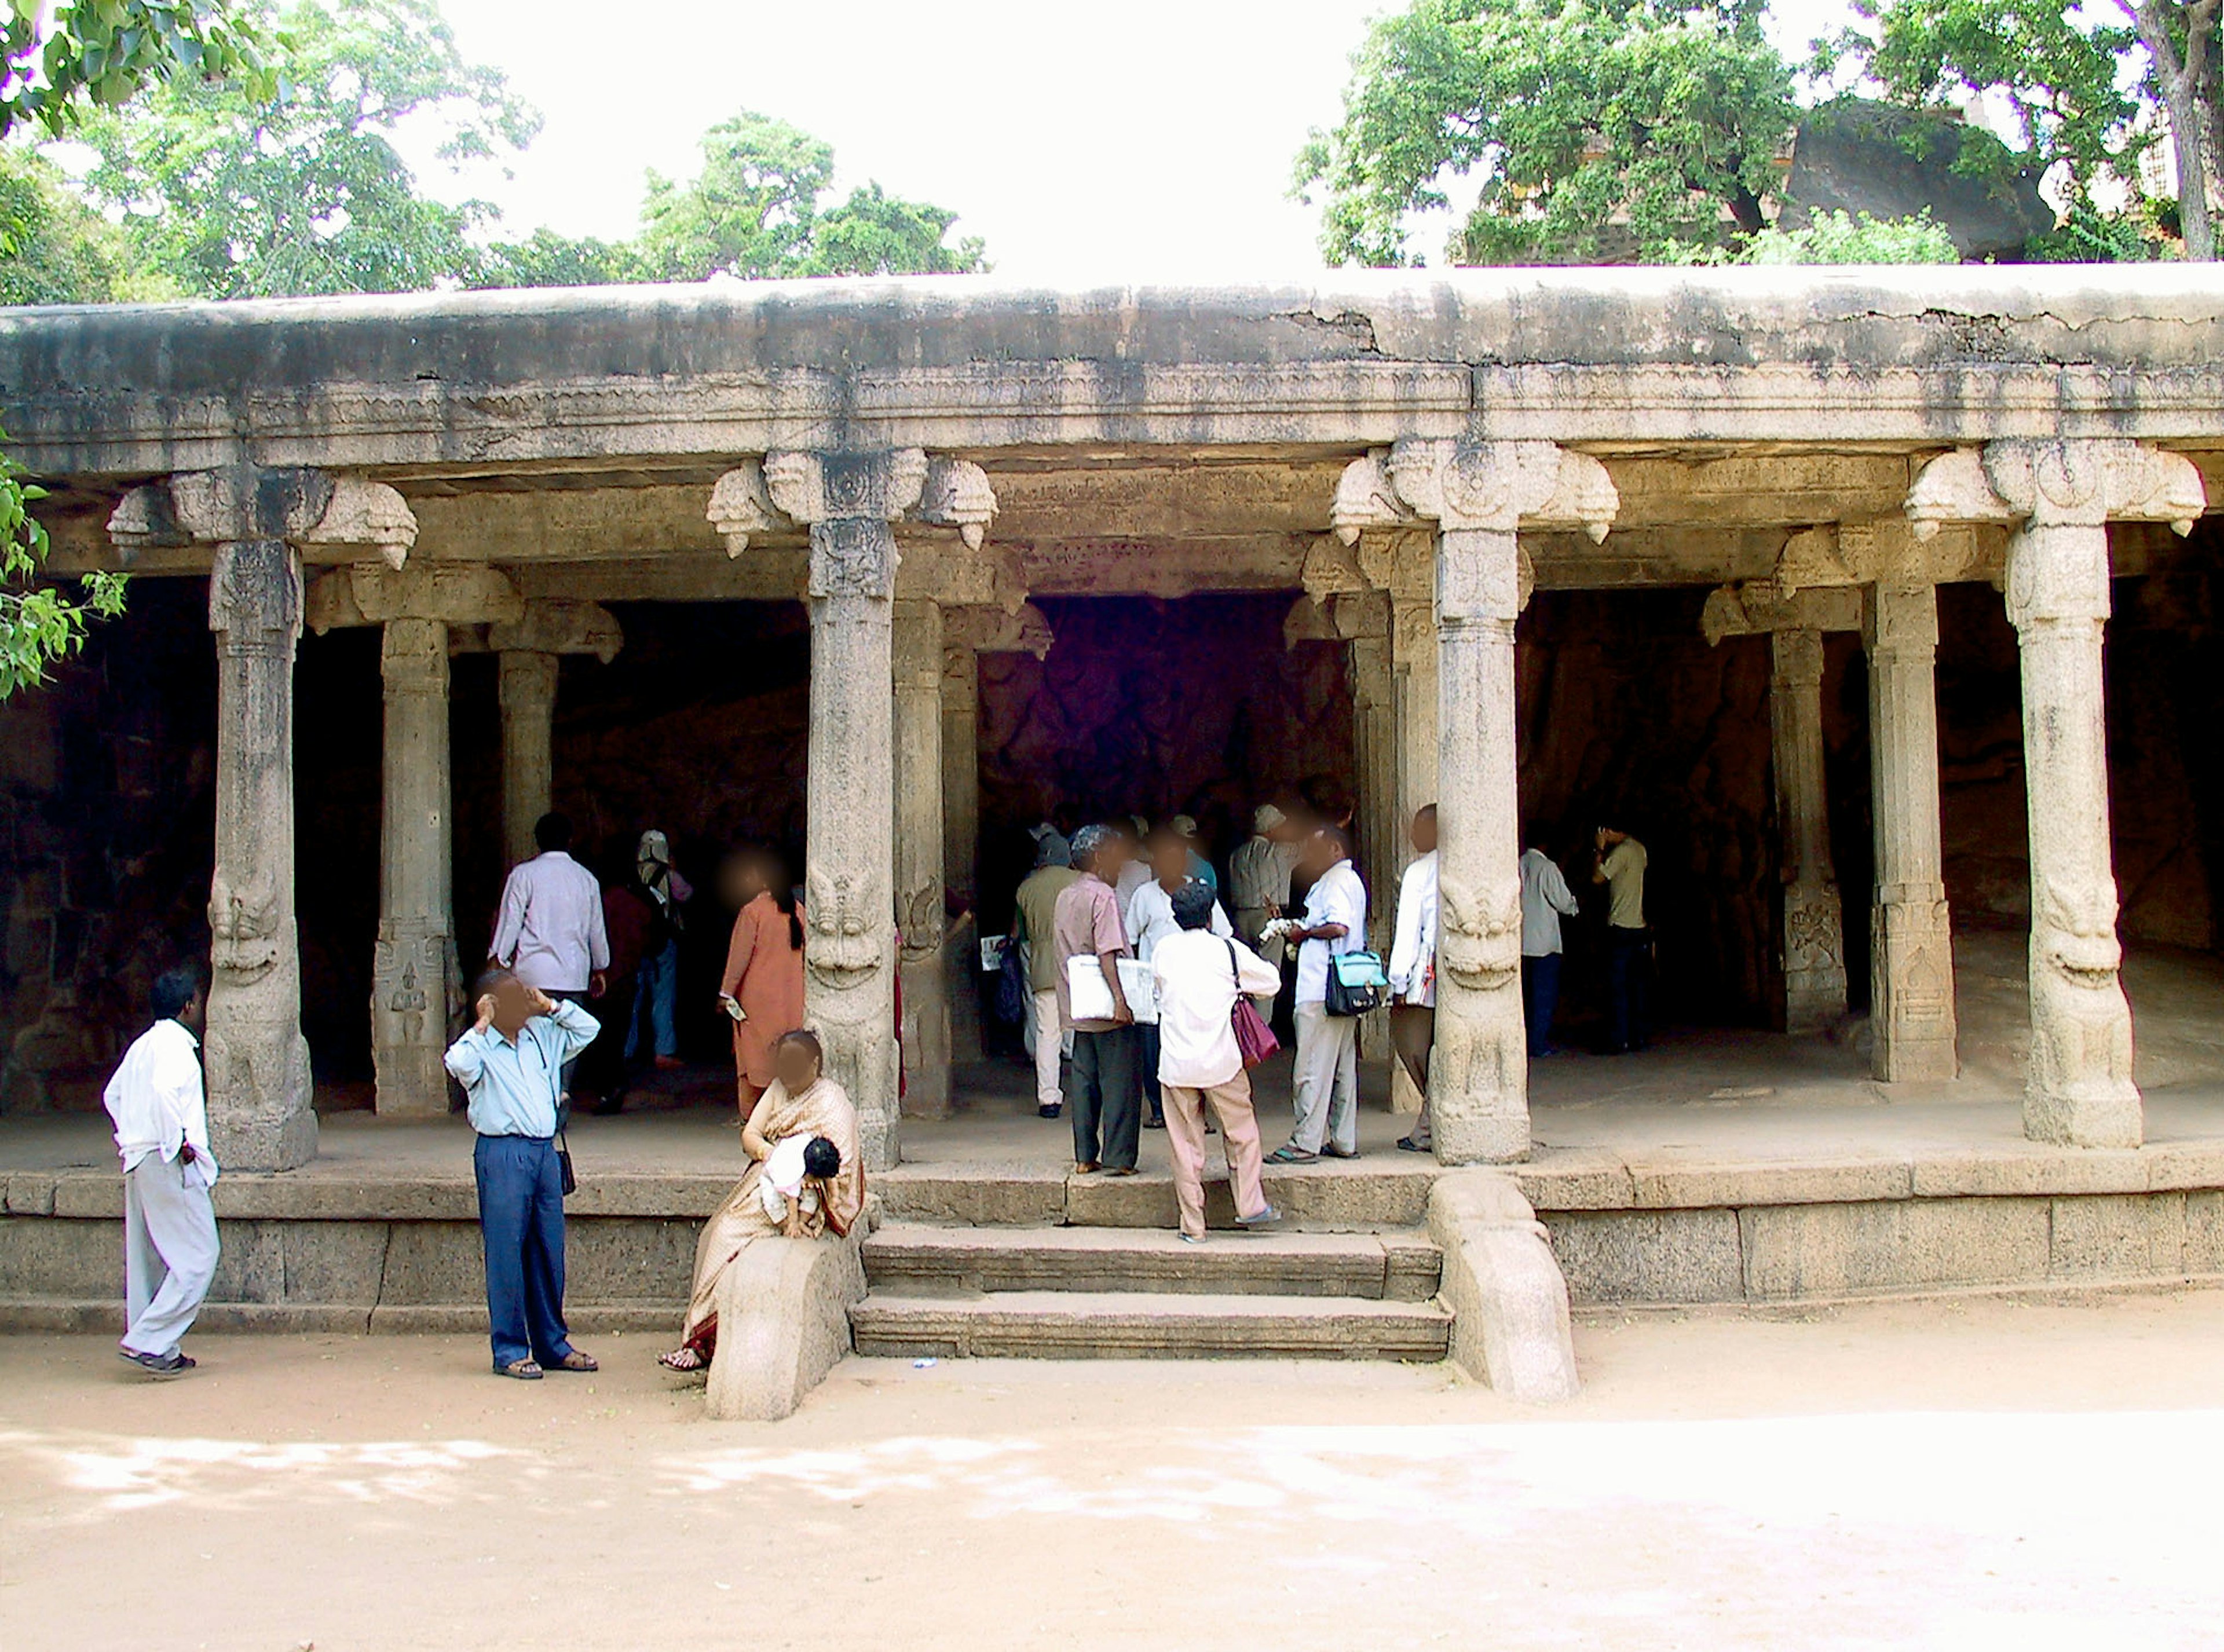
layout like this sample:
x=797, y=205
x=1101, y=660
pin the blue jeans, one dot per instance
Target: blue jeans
x=656, y=988
x=1540, y=992
x=522, y=1226
x=1628, y=986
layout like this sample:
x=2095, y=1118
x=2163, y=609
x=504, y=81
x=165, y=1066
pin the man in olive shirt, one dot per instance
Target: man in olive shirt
x=1620, y=867
x=1038, y=906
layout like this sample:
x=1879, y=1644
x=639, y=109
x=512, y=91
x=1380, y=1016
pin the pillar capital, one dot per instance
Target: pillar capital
x=1463, y=482
x=256, y=598
x=2061, y=481
x=459, y=593
x=333, y=511
x=1758, y=607
x=847, y=501
x=550, y=625
x=971, y=628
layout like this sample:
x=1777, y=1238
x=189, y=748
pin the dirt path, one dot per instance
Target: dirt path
x=1958, y=1475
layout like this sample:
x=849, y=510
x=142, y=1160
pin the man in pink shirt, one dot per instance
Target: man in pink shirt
x=1103, y=1090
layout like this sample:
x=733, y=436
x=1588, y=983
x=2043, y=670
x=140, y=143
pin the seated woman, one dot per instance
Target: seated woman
x=803, y=1106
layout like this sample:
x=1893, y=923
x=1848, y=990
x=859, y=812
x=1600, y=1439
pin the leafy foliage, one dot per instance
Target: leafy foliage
x=754, y=212
x=234, y=195
x=2084, y=90
x=56, y=250
x=106, y=52
x=40, y=625
x=1591, y=129
x=1843, y=238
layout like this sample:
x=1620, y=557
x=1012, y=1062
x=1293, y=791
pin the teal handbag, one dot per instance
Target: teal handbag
x=1357, y=983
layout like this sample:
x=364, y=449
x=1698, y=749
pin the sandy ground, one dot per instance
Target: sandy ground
x=1963, y=1474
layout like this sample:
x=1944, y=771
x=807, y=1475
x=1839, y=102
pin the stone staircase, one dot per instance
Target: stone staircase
x=1103, y=1293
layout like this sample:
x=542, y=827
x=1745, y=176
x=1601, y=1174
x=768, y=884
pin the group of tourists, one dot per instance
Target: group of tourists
x=1138, y=978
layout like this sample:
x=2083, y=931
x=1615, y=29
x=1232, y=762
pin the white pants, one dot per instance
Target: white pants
x=169, y=1252
x=1327, y=1082
x=775, y=1202
x=1046, y=1043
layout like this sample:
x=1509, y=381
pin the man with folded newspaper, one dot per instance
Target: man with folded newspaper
x=1103, y=1087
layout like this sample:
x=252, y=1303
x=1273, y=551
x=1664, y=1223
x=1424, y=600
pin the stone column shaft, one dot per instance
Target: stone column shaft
x=412, y=970
x=1911, y=938
x=1413, y=672
x=2078, y=1088
x=1814, y=925
x=254, y=1058
x=528, y=696
x=916, y=651
x=961, y=837
x=1375, y=728
x=1479, y=1073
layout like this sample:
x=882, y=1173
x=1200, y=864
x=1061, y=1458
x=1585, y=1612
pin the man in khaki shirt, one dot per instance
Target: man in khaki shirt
x=1620, y=867
x=1037, y=902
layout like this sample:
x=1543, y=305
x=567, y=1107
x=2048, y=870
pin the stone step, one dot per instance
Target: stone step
x=916, y=1259
x=1147, y=1324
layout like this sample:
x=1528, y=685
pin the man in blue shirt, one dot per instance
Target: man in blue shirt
x=510, y=1065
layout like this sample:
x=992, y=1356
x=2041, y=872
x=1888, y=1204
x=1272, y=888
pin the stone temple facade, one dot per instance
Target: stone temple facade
x=926, y=463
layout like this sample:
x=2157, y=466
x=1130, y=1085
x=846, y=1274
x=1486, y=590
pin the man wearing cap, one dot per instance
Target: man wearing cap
x=1259, y=872
x=1200, y=865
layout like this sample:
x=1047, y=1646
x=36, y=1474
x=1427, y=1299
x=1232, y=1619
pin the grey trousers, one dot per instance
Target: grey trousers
x=169, y=1252
x=1327, y=1082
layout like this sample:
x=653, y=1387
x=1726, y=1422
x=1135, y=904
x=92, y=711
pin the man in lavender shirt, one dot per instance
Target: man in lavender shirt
x=550, y=934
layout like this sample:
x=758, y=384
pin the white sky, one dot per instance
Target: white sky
x=1142, y=138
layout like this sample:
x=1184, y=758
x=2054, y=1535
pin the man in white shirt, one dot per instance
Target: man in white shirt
x=1148, y=915
x=1413, y=971
x=550, y=934
x=1546, y=899
x=1199, y=976
x=1259, y=872
x=161, y=1112
x=1327, y=1080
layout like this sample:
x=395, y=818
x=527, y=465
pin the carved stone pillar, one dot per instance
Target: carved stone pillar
x=1413, y=671
x=1479, y=493
x=848, y=502
x=1814, y=926
x=961, y=829
x=527, y=695
x=967, y=632
x=256, y=1061
x=414, y=968
x=1911, y=1013
x=2059, y=496
x=917, y=656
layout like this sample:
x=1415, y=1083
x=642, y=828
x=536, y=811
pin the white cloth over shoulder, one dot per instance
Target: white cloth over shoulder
x=1414, y=949
x=157, y=1100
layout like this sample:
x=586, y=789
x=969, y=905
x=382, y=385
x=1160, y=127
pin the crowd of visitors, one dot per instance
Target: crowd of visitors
x=1143, y=1003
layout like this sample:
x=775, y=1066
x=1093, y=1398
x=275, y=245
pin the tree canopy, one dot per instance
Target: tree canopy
x=307, y=191
x=756, y=209
x=2089, y=92
x=1589, y=130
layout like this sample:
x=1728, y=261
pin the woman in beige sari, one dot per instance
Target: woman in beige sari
x=802, y=1101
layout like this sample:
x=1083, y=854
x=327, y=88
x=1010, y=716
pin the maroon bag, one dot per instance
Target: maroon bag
x=1253, y=1037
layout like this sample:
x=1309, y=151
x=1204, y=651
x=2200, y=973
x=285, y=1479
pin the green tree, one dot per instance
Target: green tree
x=59, y=60
x=2087, y=91
x=234, y=195
x=1589, y=130
x=106, y=53
x=56, y=250
x=753, y=212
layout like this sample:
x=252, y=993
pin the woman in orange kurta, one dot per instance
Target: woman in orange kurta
x=764, y=971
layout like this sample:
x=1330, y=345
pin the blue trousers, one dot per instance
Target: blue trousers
x=657, y=990
x=1540, y=985
x=521, y=1227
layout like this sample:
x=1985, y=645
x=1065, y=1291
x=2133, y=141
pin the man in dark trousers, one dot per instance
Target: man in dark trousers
x=510, y=1065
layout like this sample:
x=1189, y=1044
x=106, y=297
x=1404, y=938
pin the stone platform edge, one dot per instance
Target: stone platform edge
x=1380, y=1192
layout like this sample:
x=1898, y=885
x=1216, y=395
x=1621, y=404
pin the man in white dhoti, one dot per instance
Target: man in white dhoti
x=162, y=1132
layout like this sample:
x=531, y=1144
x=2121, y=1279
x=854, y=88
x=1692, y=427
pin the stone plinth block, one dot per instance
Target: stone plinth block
x=783, y=1324
x=1509, y=1302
